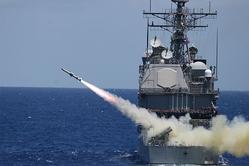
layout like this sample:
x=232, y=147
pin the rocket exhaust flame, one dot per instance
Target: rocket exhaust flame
x=100, y=92
x=223, y=136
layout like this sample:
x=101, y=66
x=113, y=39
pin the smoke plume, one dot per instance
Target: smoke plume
x=223, y=136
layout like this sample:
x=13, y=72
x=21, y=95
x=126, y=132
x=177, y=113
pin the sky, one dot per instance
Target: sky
x=103, y=41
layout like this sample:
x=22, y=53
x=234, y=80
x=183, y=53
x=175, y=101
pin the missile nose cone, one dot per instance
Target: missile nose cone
x=64, y=70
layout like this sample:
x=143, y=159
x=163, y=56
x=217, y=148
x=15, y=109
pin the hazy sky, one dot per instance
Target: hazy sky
x=103, y=41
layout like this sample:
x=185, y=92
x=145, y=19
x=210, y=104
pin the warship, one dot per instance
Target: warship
x=175, y=81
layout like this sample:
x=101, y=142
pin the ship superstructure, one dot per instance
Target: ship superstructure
x=175, y=81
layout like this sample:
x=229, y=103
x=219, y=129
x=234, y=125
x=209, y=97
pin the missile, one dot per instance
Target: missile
x=164, y=132
x=71, y=74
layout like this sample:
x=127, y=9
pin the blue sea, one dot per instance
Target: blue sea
x=74, y=127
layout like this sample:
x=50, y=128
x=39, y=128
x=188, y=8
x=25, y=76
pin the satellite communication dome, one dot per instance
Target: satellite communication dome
x=162, y=61
x=198, y=66
x=208, y=73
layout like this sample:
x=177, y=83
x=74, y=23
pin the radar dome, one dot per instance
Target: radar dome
x=198, y=66
x=155, y=42
x=208, y=73
x=166, y=54
x=162, y=61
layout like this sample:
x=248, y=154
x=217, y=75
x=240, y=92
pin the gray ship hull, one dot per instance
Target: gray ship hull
x=194, y=155
x=174, y=81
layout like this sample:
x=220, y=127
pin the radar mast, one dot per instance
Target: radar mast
x=178, y=22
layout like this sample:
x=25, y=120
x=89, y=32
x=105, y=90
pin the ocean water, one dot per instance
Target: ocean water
x=52, y=126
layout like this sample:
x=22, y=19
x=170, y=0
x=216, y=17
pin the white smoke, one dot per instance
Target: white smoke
x=223, y=136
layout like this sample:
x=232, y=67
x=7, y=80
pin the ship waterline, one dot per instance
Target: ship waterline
x=197, y=155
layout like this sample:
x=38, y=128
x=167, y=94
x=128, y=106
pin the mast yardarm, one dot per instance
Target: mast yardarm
x=179, y=22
